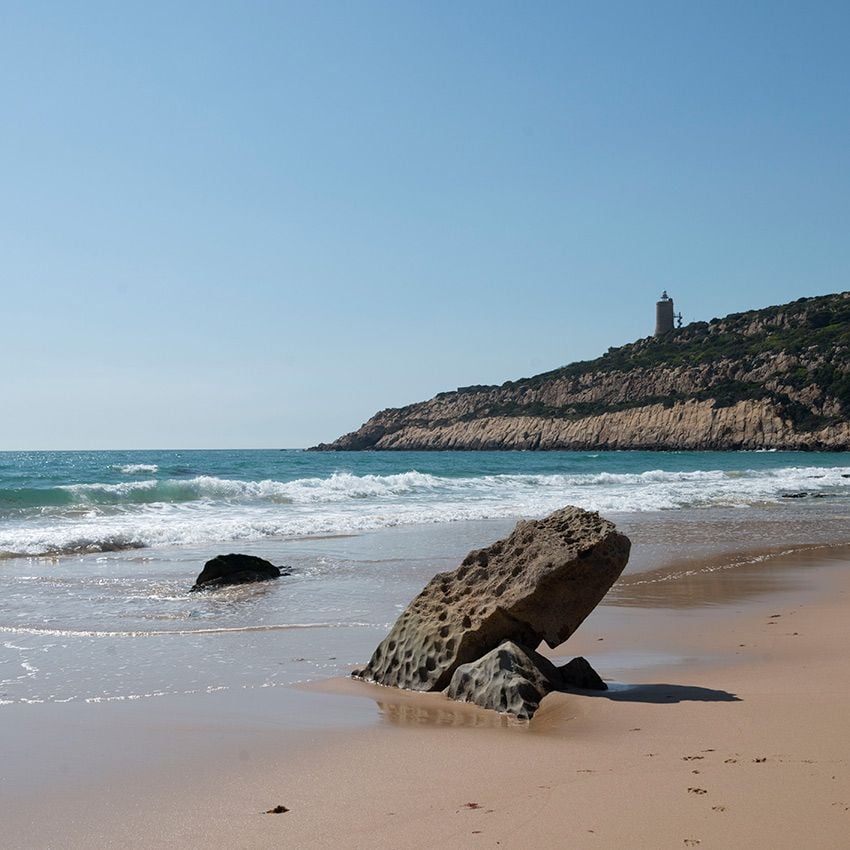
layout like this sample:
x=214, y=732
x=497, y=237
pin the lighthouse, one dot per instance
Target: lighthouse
x=663, y=315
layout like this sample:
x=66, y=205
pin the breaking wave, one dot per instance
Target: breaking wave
x=343, y=486
x=97, y=517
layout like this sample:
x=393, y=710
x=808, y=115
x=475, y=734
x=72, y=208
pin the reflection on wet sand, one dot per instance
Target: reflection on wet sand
x=437, y=710
x=411, y=708
x=722, y=578
x=415, y=708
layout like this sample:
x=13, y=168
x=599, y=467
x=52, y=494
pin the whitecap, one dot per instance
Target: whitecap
x=135, y=468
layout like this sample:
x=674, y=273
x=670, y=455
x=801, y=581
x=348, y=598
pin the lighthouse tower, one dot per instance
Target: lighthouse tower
x=663, y=315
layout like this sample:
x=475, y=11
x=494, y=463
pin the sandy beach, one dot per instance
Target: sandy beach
x=731, y=730
x=354, y=348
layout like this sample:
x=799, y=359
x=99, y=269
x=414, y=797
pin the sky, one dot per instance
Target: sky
x=254, y=224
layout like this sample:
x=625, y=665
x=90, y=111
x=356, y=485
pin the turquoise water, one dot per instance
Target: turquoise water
x=55, y=503
x=99, y=549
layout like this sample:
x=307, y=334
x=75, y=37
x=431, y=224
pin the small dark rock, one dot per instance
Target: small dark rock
x=225, y=570
x=801, y=495
x=579, y=674
x=277, y=810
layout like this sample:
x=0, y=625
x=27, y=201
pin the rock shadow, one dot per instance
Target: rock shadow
x=662, y=694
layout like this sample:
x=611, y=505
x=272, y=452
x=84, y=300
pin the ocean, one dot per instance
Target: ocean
x=98, y=550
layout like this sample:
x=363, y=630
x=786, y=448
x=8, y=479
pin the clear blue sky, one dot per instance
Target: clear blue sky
x=256, y=223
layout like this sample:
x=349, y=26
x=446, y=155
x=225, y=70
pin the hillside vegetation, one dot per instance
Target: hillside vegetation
x=778, y=377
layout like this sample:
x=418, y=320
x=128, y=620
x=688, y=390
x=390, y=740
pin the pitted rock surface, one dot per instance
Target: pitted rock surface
x=510, y=678
x=514, y=679
x=537, y=584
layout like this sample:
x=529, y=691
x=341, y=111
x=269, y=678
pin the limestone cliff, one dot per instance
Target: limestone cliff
x=776, y=378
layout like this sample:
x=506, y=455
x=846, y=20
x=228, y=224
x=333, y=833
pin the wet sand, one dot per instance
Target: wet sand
x=726, y=725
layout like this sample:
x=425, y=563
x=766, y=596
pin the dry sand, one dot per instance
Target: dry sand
x=738, y=737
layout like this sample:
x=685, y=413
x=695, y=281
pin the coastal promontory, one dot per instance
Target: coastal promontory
x=774, y=378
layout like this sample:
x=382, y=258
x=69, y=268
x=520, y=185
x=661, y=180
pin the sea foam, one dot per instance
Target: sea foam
x=210, y=509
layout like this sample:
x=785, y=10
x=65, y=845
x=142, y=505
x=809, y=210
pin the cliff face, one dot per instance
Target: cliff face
x=773, y=378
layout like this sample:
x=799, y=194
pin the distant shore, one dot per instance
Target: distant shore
x=757, y=380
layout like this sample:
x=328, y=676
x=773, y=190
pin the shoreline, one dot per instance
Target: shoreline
x=362, y=766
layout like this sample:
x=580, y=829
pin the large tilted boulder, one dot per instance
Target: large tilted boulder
x=537, y=584
x=224, y=570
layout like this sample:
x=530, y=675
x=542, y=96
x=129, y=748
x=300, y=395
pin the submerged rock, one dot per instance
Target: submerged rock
x=538, y=584
x=224, y=570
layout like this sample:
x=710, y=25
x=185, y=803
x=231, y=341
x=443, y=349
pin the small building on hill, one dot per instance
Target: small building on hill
x=664, y=315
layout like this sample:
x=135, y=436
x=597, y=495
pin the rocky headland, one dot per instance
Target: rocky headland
x=776, y=378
